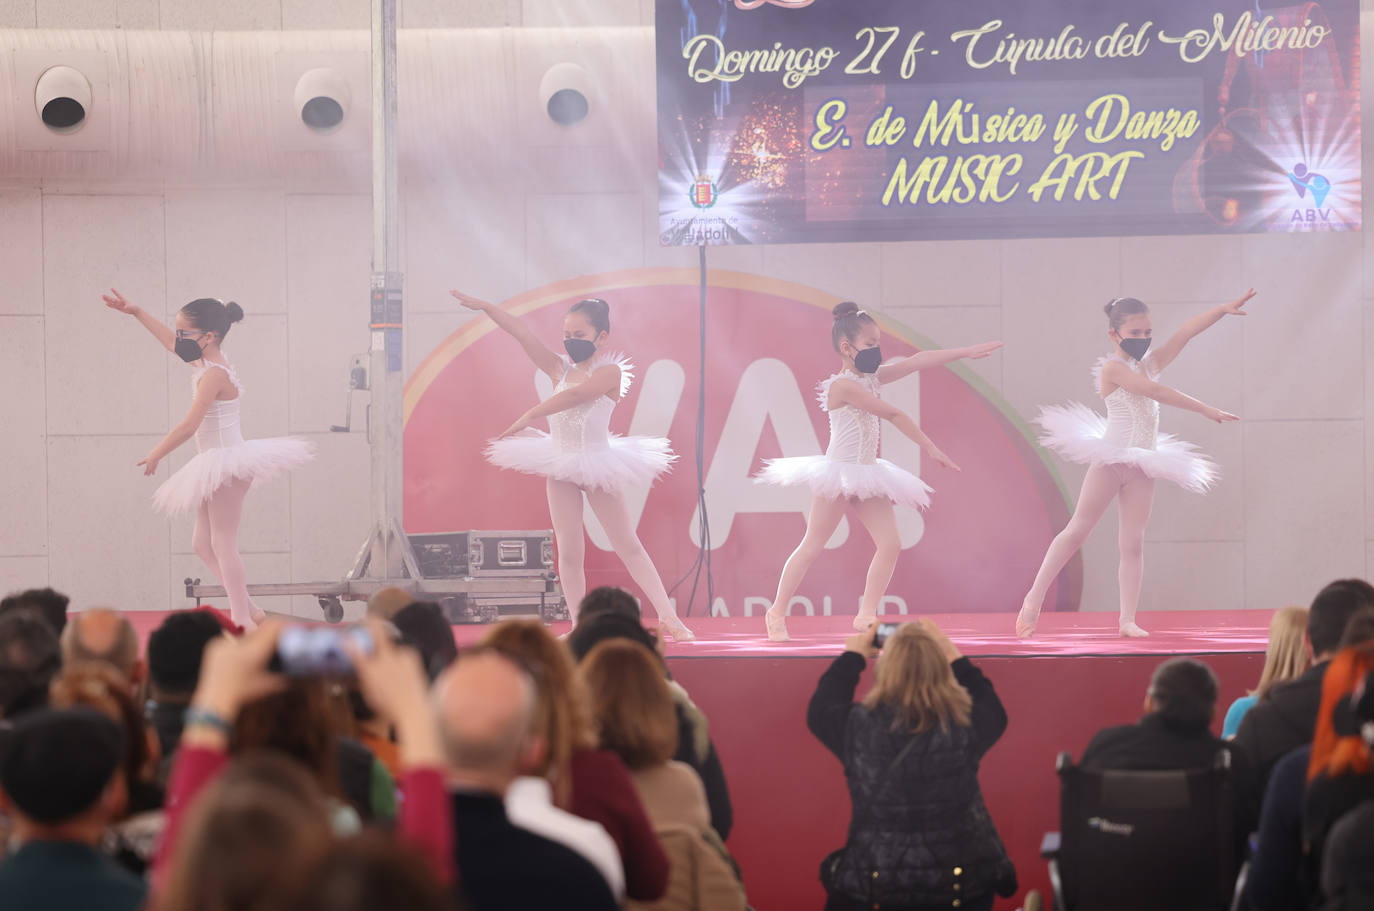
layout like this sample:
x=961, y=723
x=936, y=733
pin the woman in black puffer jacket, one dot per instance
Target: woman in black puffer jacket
x=920, y=836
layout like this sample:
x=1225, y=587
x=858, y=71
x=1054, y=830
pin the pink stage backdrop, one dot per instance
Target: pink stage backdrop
x=767, y=345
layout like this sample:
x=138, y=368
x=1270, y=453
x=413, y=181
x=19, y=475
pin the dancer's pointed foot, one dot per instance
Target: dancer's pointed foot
x=863, y=621
x=777, y=626
x=1130, y=631
x=258, y=614
x=676, y=629
x=1026, y=620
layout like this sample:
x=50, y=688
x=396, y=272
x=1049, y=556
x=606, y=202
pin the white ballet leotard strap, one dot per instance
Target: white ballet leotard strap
x=233, y=377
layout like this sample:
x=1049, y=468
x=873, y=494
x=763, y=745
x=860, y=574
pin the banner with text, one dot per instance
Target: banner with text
x=793, y=121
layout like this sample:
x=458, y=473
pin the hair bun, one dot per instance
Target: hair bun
x=233, y=311
x=847, y=308
x=1110, y=304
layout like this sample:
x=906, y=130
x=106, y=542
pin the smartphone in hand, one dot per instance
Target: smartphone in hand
x=318, y=651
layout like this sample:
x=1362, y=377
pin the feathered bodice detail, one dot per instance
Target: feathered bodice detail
x=855, y=434
x=586, y=427
x=1132, y=419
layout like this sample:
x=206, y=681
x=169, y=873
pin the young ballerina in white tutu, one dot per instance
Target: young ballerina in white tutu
x=217, y=478
x=1125, y=450
x=580, y=456
x=850, y=471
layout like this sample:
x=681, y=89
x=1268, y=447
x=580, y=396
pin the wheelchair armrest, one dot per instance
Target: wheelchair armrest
x=1050, y=845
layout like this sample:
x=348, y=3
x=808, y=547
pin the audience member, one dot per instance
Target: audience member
x=1288, y=718
x=367, y=872
x=249, y=835
x=29, y=659
x=487, y=708
x=423, y=625
x=60, y=779
x=102, y=634
x=1285, y=659
x=920, y=834
x=175, y=650
x=612, y=621
x=50, y=604
x=636, y=719
x=607, y=599
x=301, y=720
x=373, y=732
x=236, y=673
x=94, y=684
x=1340, y=775
x=1176, y=730
x=1283, y=870
x=1348, y=868
x=591, y=783
x=1347, y=874
x=385, y=602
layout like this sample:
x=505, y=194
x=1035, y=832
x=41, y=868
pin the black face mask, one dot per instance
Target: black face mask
x=1135, y=347
x=188, y=350
x=869, y=359
x=579, y=349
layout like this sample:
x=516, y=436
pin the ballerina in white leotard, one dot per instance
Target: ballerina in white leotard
x=214, y=483
x=1125, y=451
x=850, y=471
x=580, y=456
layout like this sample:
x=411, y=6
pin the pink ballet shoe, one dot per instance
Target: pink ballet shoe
x=777, y=626
x=1129, y=630
x=259, y=615
x=1026, y=620
x=676, y=629
x=863, y=621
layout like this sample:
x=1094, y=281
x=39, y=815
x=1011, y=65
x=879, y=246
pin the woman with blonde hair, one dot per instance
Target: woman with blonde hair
x=920, y=835
x=586, y=781
x=1285, y=659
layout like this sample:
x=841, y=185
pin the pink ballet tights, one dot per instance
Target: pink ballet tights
x=216, y=542
x=1134, y=491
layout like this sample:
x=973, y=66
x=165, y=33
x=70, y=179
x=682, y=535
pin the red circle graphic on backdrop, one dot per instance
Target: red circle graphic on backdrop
x=767, y=345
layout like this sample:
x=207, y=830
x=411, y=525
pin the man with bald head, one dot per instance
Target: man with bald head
x=486, y=706
x=104, y=635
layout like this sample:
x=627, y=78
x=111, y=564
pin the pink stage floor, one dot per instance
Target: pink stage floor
x=791, y=807
x=987, y=635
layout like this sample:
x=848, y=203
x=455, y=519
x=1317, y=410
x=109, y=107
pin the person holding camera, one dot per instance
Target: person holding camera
x=920, y=835
x=236, y=674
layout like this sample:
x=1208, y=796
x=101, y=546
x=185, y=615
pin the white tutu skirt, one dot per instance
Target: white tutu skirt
x=833, y=479
x=1076, y=432
x=626, y=462
x=208, y=471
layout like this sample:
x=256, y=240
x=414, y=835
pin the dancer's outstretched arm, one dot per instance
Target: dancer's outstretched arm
x=543, y=358
x=164, y=334
x=848, y=392
x=603, y=381
x=936, y=357
x=207, y=390
x=1195, y=326
x=1123, y=376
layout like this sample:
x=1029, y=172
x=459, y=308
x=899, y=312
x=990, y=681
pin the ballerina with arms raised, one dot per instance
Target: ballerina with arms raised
x=579, y=456
x=216, y=480
x=1125, y=452
x=850, y=471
